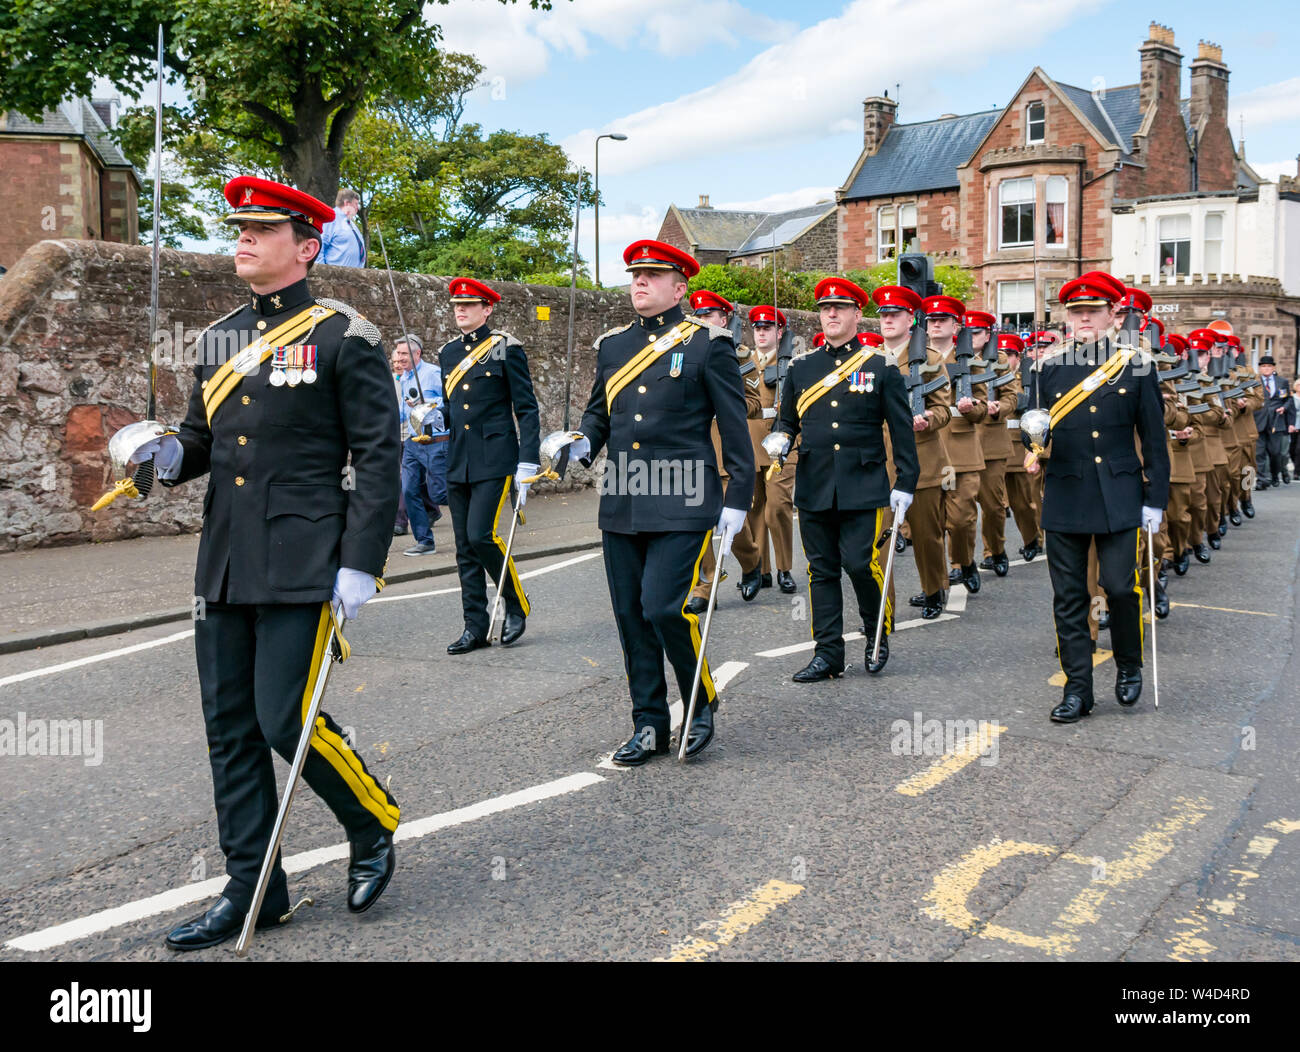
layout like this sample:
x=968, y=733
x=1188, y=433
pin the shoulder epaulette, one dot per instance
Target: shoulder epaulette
x=358, y=325
x=716, y=332
x=610, y=332
x=510, y=340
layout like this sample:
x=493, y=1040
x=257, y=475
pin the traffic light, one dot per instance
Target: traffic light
x=916, y=272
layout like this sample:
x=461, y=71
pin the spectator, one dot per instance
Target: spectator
x=342, y=244
x=424, y=464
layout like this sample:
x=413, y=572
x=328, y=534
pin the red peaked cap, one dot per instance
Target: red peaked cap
x=819, y=339
x=839, y=290
x=767, y=312
x=978, y=319
x=1094, y=289
x=703, y=300
x=1009, y=341
x=655, y=255
x=467, y=290
x=1045, y=337
x=1136, y=299
x=943, y=305
x=1179, y=343
x=871, y=339
x=895, y=298
x=1158, y=324
x=257, y=200
x=1234, y=340
x=1201, y=339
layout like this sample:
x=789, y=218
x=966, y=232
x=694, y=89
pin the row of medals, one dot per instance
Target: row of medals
x=293, y=365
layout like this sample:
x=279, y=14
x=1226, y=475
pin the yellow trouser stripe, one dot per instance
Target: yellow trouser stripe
x=478, y=354
x=226, y=379
x=808, y=397
x=706, y=677
x=1137, y=587
x=878, y=571
x=334, y=749
x=509, y=566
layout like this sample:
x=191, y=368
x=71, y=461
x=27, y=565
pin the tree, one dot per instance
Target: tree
x=287, y=79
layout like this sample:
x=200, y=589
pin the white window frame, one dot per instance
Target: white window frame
x=1002, y=204
x=1004, y=288
x=1206, y=241
x=886, y=219
x=1065, y=212
x=1029, y=123
x=904, y=225
x=1161, y=240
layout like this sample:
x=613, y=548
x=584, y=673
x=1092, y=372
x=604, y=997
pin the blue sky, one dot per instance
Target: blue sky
x=758, y=103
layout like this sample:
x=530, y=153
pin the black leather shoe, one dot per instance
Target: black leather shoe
x=221, y=922
x=639, y=749
x=817, y=669
x=1001, y=564
x=1162, y=573
x=1223, y=525
x=933, y=606
x=513, y=628
x=970, y=578
x=698, y=605
x=369, y=871
x=750, y=584
x=1234, y=517
x=1183, y=562
x=875, y=666
x=1215, y=542
x=986, y=563
x=785, y=580
x=701, y=732
x=1071, y=710
x=1286, y=478
x=1248, y=508
x=767, y=581
x=468, y=641
x=954, y=575
x=1128, y=685
x=917, y=600
x=1032, y=550
x=1202, y=552
x=900, y=543
x=1162, y=600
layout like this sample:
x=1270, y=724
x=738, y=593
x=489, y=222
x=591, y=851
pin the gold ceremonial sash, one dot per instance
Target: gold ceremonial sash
x=1083, y=390
x=469, y=361
x=642, y=360
x=832, y=380
x=219, y=386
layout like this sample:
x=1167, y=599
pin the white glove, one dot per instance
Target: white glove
x=524, y=471
x=769, y=413
x=777, y=444
x=580, y=447
x=1151, y=518
x=352, y=589
x=730, y=523
x=166, y=454
x=899, y=502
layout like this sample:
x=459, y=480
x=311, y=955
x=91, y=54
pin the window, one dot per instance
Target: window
x=887, y=234
x=907, y=223
x=1035, y=122
x=1254, y=346
x=1175, y=236
x=1016, y=305
x=1016, y=197
x=1213, y=243
x=1058, y=189
x=1268, y=344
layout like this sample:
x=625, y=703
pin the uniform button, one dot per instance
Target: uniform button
x=464, y=387
x=261, y=325
x=204, y=385
x=1092, y=408
x=636, y=445
x=467, y=427
x=837, y=445
x=641, y=389
x=835, y=423
x=1096, y=434
x=837, y=361
x=834, y=404
x=1097, y=459
x=245, y=399
x=243, y=440
x=1121, y=390
x=637, y=417
x=466, y=405
x=239, y=480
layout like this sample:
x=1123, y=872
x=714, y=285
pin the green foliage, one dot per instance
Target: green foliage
x=561, y=280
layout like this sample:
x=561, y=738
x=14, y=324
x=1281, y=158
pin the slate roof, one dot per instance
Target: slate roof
x=781, y=228
x=924, y=156
x=59, y=121
x=1115, y=114
x=717, y=229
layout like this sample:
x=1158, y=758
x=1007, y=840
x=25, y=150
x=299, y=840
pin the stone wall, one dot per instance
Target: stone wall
x=74, y=347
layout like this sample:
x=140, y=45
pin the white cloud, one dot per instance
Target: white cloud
x=1266, y=105
x=812, y=84
x=1270, y=170
x=785, y=199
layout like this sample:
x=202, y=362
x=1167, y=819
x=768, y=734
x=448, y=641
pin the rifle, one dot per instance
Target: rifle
x=1026, y=378
x=917, y=368
x=774, y=375
x=990, y=359
x=959, y=370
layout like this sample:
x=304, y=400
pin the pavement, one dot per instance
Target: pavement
x=932, y=812
x=56, y=595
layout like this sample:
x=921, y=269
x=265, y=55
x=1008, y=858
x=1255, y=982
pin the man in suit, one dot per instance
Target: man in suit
x=1275, y=419
x=1101, y=398
x=487, y=389
x=290, y=523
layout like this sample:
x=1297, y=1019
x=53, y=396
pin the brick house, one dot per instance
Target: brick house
x=65, y=178
x=1023, y=195
x=805, y=238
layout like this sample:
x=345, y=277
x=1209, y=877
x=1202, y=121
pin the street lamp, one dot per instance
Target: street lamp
x=618, y=137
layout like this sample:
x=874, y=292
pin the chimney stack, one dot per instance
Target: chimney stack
x=1209, y=85
x=878, y=114
x=704, y=201
x=1162, y=65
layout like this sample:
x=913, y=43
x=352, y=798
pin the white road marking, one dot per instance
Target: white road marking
x=957, y=596
x=167, y=901
x=135, y=648
x=728, y=671
x=849, y=637
x=523, y=577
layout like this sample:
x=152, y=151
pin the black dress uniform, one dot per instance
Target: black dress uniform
x=282, y=513
x=1093, y=493
x=661, y=495
x=485, y=452
x=841, y=486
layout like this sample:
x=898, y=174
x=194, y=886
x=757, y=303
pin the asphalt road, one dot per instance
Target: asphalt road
x=818, y=825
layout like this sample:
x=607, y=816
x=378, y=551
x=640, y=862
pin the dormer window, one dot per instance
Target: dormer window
x=1035, y=123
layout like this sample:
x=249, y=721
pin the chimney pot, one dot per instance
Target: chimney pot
x=704, y=201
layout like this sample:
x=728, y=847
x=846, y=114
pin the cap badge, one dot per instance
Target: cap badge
x=248, y=195
x=275, y=302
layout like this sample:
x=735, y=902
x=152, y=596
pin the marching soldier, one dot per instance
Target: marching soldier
x=1099, y=396
x=1220, y=358
x=1023, y=489
x=896, y=309
x=1203, y=421
x=711, y=309
x=1244, y=424
x=660, y=382
x=837, y=400
x=289, y=526
x=772, y=515
x=995, y=441
x=1213, y=425
x=488, y=388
